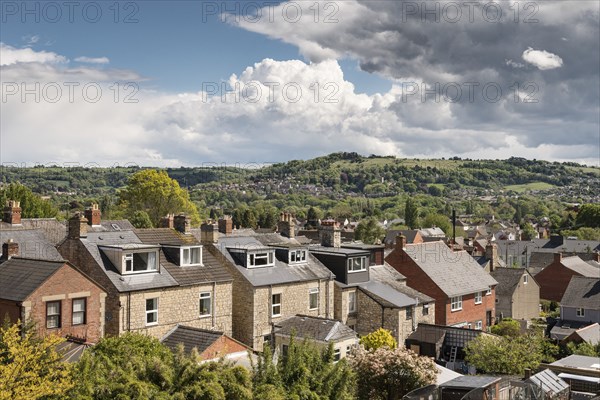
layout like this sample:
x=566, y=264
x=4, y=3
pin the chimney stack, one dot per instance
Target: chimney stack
x=9, y=249
x=166, y=222
x=182, y=223
x=93, y=215
x=491, y=253
x=209, y=232
x=287, y=225
x=226, y=225
x=78, y=226
x=330, y=234
x=400, y=242
x=558, y=257
x=12, y=213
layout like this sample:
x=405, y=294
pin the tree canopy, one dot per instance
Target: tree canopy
x=32, y=205
x=369, y=231
x=377, y=339
x=411, y=213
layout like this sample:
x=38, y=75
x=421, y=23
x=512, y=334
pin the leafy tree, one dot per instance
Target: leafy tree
x=312, y=217
x=529, y=232
x=369, y=231
x=411, y=213
x=32, y=206
x=157, y=194
x=505, y=355
x=140, y=219
x=377, y=339
x=583, y=349
x=583, y=233
x=389, y=374
x=441, y=221
x=507, y=327
x=589, y=216
x=30, y=367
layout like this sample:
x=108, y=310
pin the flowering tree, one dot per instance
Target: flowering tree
x=380, y=338
x=389, y=374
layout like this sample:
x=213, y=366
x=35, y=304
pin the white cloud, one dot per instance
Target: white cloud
x=30, y=39
x=93, y=60
x=10, y=55
x=542, y=59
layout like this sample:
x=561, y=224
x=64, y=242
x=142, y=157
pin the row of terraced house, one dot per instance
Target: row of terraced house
x=227, y=290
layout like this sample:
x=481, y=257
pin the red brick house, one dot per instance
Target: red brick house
x=211, y=345
x=55, y=295
x=555, y=278
x=464, y=293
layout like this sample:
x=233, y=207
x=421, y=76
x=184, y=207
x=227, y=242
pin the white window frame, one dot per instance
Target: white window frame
x=352, y=302
x=83, y=312
x=525, y=279
x=478, y=298
x=580, y=312
x=152, y=311
x=204, y=296
x=51, y=317
x=275, y=305
x=337, y=354
x=313, y=292
x=189, y=249
x=129, y=257
x=479, y=325
x=489, y=291
x=353, y=268
x=456, y=303
x=297, y=256
x=425, y=309
x=268, y=255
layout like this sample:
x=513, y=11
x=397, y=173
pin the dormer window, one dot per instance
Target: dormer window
x=297, y=256
x=190, y=256
x=261, y=259
x=357, y=264
x=139, y=262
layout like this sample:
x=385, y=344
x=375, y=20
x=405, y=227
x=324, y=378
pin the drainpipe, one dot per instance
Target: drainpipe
x=214, y=305
x=128, y=311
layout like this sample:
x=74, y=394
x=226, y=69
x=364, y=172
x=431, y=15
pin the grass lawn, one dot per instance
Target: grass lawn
x=529, y=186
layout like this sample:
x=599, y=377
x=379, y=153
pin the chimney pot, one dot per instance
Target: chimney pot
x=166, y=222
x=78, y=226
x=226, y=225
x=209, y=232
x=400, y=242
x=286, y=225
x=12, y=212
x=330, y=233
x=93, y=215
x=558, y=257
x=491, y=253
x=182, y=223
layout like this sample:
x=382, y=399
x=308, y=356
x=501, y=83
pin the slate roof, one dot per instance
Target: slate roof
x=386, y=286
x=114, y=225
x=32, y=244
x=549, y=382
x=212, y=269
x=471, y=382
x=315, y=328
x=53, y=230
x=508, y=279
x=455, y=273
x=563, y=329
x=576, y=264
x=582, y=292
x=390, y=236
x=576, y=361
x=590, y=333
x=191, y=338
x=19, y=277
x=281, y=272
x=124, y=283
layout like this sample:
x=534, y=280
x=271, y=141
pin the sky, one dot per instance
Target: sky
x=189, y=83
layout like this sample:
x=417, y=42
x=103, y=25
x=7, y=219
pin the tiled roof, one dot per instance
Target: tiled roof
x=212, y=269
x=455, y=273
x=32, y=244
x=124, y=283
x=115, y=225
x=508, y=279
x=19, y=277
x=281, y=272
x=582, y=292
x=315, y=328
x=576, y=264
x=386, y=285
x=191, y=338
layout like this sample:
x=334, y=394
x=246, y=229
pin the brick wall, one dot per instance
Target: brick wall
x=10, y=310
x=471, y=312
x=65, y=285
x=221, y=347
x=553, y=281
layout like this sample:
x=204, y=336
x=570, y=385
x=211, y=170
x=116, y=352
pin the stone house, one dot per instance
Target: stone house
x=517, y=294
x=321, y=331
x=57, y=297
x=464, y=293
x=368, y=293
x=555, y=278
x=155, y=281
x=275, y=277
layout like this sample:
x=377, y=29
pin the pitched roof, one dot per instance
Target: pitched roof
x=124, y=283
x=590, y=333
x=582, y=292
x=114, y=225
x=32, y=244
x=455, y=273
x=191, y=338
x=387, y=287
x=508, y=279
x=54, y=231
x=576, y=264
x=19, y=277
x=211, y=270
x=549, y=382
x=390, y=236
x=315, y=328
x=281, y=272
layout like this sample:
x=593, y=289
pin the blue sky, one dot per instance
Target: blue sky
x=389, y=70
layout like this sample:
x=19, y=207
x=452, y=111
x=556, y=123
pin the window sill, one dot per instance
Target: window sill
x=205, y=316
x=458, y=309
x=152, y=324
x=79, y=324
x=276, y=316
x=478, y=303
